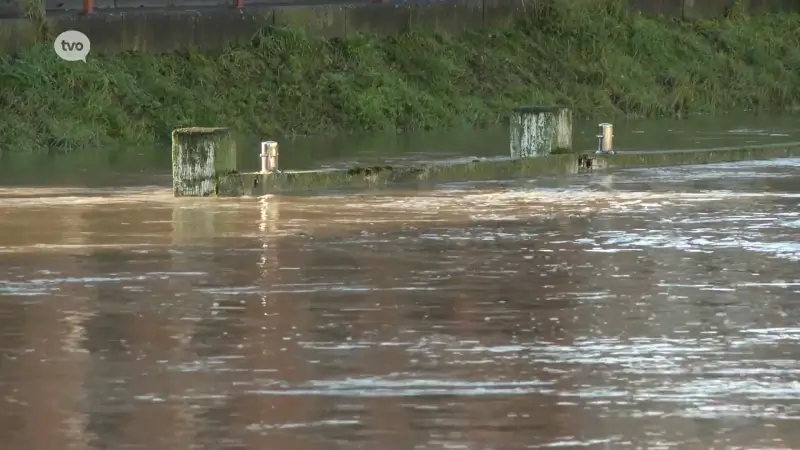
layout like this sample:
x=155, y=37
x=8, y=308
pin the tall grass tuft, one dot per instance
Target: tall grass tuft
x=35, y=11
x=595, y=55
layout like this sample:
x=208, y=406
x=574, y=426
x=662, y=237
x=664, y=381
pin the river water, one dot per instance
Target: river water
x=646, y=308
x=136, y=166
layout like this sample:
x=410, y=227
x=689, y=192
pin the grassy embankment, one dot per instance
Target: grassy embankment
x=602, y=60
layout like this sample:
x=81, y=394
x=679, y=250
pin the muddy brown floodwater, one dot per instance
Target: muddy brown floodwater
x=632, y=309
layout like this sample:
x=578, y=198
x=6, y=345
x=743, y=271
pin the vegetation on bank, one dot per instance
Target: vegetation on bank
x=601, y=59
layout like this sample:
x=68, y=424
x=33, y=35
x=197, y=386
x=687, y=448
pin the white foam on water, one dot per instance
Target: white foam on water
x=407, y=391
x=397, y=383
x=757, y=132
x=572, y=443
x=295, y=425
x=48, y=197
x=46, y=286
x=534, y=200
x=519, y=205
x=742, y=170
x=625, y=240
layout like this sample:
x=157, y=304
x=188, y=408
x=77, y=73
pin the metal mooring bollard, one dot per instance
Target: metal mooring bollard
x=269, y=157
x=605, y=140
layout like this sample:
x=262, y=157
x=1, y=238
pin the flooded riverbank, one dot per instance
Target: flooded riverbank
x=650, y=308
x=146, y=166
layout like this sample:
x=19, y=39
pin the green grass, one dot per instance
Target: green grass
x=601, y=59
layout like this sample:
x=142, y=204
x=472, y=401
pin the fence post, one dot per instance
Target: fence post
x=88, y=6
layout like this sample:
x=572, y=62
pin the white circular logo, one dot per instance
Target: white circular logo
x=72, y=45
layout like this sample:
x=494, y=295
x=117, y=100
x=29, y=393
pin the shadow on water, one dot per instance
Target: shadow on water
x=136, y=167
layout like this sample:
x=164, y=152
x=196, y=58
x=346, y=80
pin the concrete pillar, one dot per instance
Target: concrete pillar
x=269, y=157
x=198, y=156
x=540, y=131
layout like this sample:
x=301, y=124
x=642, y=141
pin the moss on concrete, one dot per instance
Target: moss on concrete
x=199, y=157
x=257, y=184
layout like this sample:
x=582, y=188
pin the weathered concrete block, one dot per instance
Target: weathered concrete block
x=17, y=35
x=379, y=19
x=235, y=26
x=150, y=32
x=668, y=8
x=159, y=33
x=180, y=31
x=103, y=30
x=772, y=6
x=503, y=13
x=704, y=9
x=199, y=157
x=10, y=9
x=323, y=20
x=448, y=17
x=540, y=131
x=147, y=26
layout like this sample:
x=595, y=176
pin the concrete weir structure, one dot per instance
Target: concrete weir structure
x=199, y=157
x=540, y=131
x=214, y=174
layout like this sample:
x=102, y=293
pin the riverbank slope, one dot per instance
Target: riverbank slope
x=601, y=59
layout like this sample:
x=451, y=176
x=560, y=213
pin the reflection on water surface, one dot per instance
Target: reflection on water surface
x=629, y=309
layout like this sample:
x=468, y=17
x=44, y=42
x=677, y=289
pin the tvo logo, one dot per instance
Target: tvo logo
x=72, y=45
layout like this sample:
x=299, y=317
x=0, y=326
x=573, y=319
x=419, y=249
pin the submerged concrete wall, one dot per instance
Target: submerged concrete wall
x=160, y=26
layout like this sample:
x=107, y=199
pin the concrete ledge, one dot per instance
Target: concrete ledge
x=17, y=35
x=235, y=27
x=256, y=184
x=148, y=31
x=771, y=6
x=448, y=17
x=323, y=20
x=668, y=8
x=379, y=19
x=166, y=32
x=161, y=26
x=502, y=13
x=704, y=9
x=10, y=8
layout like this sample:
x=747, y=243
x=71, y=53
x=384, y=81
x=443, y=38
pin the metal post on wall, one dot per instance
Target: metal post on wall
x=88, y=6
